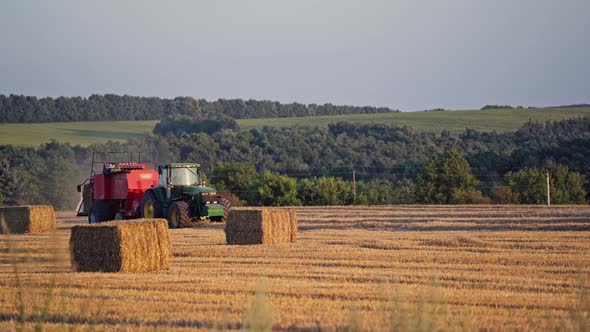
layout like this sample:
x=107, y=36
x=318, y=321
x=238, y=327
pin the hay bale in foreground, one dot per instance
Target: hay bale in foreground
x=261, y=226
x=121, y=246
x=28, y=219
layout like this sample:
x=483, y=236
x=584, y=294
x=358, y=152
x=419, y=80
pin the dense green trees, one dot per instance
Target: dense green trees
x=447, y=179
x=15, y=108
x=10, y=184
x=46, y=175
x=387, y=160
x=277, y=190
x=383, y=191
x=325, y=191
x=530, y=184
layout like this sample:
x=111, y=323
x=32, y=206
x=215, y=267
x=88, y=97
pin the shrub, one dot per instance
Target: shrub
x=504, y=195
x=468, y=196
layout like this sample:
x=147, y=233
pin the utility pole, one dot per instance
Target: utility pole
x=354, y=184
x=548, y=190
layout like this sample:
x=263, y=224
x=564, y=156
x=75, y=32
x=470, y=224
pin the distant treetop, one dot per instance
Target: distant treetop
x=24, y=109
x=497, y=107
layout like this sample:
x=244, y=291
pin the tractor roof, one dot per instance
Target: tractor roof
x=180, y=165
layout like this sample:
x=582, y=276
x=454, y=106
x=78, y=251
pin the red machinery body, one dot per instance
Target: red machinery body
x=124, y=183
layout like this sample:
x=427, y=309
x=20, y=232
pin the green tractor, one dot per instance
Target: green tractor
x=182, y=197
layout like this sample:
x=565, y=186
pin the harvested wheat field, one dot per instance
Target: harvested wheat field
x=522, y=268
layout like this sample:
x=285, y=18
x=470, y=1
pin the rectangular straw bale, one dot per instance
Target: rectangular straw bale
x=121, y=246
x=261, y=226
x=28, y=219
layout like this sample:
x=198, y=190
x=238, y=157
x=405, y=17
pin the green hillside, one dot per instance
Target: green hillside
x=454, y=121
x=83, y=133
x=86, y=133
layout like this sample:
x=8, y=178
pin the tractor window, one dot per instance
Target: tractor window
x=163, y=177
x=185, y=176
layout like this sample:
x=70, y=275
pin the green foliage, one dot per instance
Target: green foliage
x=531, y=185
x=447, y=179
x=567, y=187
x=277, y=190
x=384, y=192
x=14, y=108
x=376, y=191
x=386, y=159
x=9, y=184
x=497, y=107
x=446, y=123
x=455, y=122
x=239, y=178
x=325, y=191
x=404, y=192
x=58, y=176
x=16, y=185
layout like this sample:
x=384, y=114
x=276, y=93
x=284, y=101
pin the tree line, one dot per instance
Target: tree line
x=445, y=179
x=392, y=164
x=110, y=107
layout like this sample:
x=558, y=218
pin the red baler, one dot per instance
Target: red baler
x=116, y=193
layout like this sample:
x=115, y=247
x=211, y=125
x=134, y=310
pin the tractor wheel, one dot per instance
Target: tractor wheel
x=150, y=206
x=178, y=214
x=226, y=207
x=101, y=210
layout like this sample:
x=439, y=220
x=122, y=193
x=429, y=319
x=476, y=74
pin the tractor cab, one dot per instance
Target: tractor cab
x=180, y=174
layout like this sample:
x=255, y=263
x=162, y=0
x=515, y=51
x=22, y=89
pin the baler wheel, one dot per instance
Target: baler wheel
x=101, y=210
x=178, y=215
x=150, y=206
x=92, y=216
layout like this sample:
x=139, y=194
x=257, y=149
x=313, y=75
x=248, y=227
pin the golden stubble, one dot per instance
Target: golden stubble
x=353, y=268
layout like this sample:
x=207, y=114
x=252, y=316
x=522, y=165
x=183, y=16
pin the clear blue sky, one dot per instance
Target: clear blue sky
x=408, y=54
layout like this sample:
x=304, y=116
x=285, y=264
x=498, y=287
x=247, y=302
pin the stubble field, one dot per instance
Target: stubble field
x=521, y=268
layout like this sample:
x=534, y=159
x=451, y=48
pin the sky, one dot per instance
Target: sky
x=404, y=54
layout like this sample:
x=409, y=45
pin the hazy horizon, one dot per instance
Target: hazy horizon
x=407, y=55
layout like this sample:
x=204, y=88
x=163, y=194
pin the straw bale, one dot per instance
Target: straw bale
x=28, y=219
x=261, y=226
x=121, y=246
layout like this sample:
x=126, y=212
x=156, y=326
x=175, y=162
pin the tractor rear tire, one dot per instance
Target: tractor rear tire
x=178, y=215
x=150, y=206
x=226, y=207
x=101, y=210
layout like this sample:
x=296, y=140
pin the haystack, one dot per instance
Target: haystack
x=261, y=226
x=28, y=219
x=121, y=246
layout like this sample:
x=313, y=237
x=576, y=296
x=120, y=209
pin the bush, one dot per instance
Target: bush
x=325, y=191
x=469, y=196
x=504, y=195
x=404, y=192
x=277, y=190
